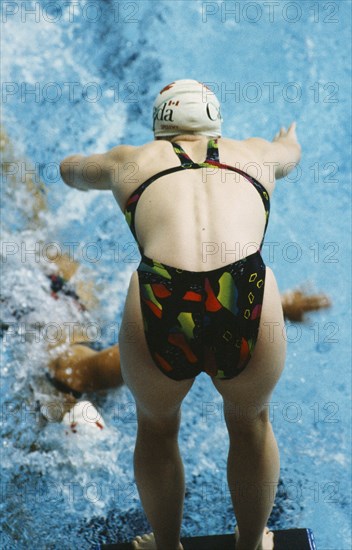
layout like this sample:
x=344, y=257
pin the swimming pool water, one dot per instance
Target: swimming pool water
x=81, y=77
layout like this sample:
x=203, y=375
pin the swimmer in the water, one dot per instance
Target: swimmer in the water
x=81, y=368
x=190, y=186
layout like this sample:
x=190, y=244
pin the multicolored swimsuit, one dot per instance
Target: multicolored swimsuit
x=198, y=321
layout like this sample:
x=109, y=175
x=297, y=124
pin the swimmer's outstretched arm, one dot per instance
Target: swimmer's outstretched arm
x=286, y=147
x=282, y=154
x=99, y=171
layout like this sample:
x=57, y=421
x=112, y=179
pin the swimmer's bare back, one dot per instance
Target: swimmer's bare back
x=196, y=220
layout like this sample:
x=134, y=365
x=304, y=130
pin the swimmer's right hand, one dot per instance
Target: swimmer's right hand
x=67, y=172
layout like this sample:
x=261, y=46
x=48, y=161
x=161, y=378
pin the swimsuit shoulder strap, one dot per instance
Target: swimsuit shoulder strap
x=182, y=155
x=212, y=153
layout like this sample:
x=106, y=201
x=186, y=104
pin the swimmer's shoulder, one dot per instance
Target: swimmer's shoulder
x=250, y=155
x=138, y=163
x=253, y=143
x=125, y=153
x=120, y=153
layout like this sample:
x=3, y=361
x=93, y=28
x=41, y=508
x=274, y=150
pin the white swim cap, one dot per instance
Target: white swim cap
x=83, y=416
x=186, y=107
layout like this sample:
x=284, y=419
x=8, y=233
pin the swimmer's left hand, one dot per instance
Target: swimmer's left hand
x=287, y=135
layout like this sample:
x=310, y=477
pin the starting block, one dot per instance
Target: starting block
x=287, y=539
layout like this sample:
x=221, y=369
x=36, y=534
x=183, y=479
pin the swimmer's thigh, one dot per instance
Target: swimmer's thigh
x=253, y=387
x=156, y=395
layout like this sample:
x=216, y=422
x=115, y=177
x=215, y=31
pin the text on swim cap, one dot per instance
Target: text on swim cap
x=165, y=114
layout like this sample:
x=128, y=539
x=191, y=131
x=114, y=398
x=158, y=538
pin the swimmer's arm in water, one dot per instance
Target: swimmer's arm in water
x=283, y=153
x=99, y=171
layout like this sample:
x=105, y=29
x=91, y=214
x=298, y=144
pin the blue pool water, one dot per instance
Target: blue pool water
x=81, y=77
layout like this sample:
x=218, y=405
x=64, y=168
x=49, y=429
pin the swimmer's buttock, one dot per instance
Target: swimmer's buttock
x=202, y=321
x=205, y=320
